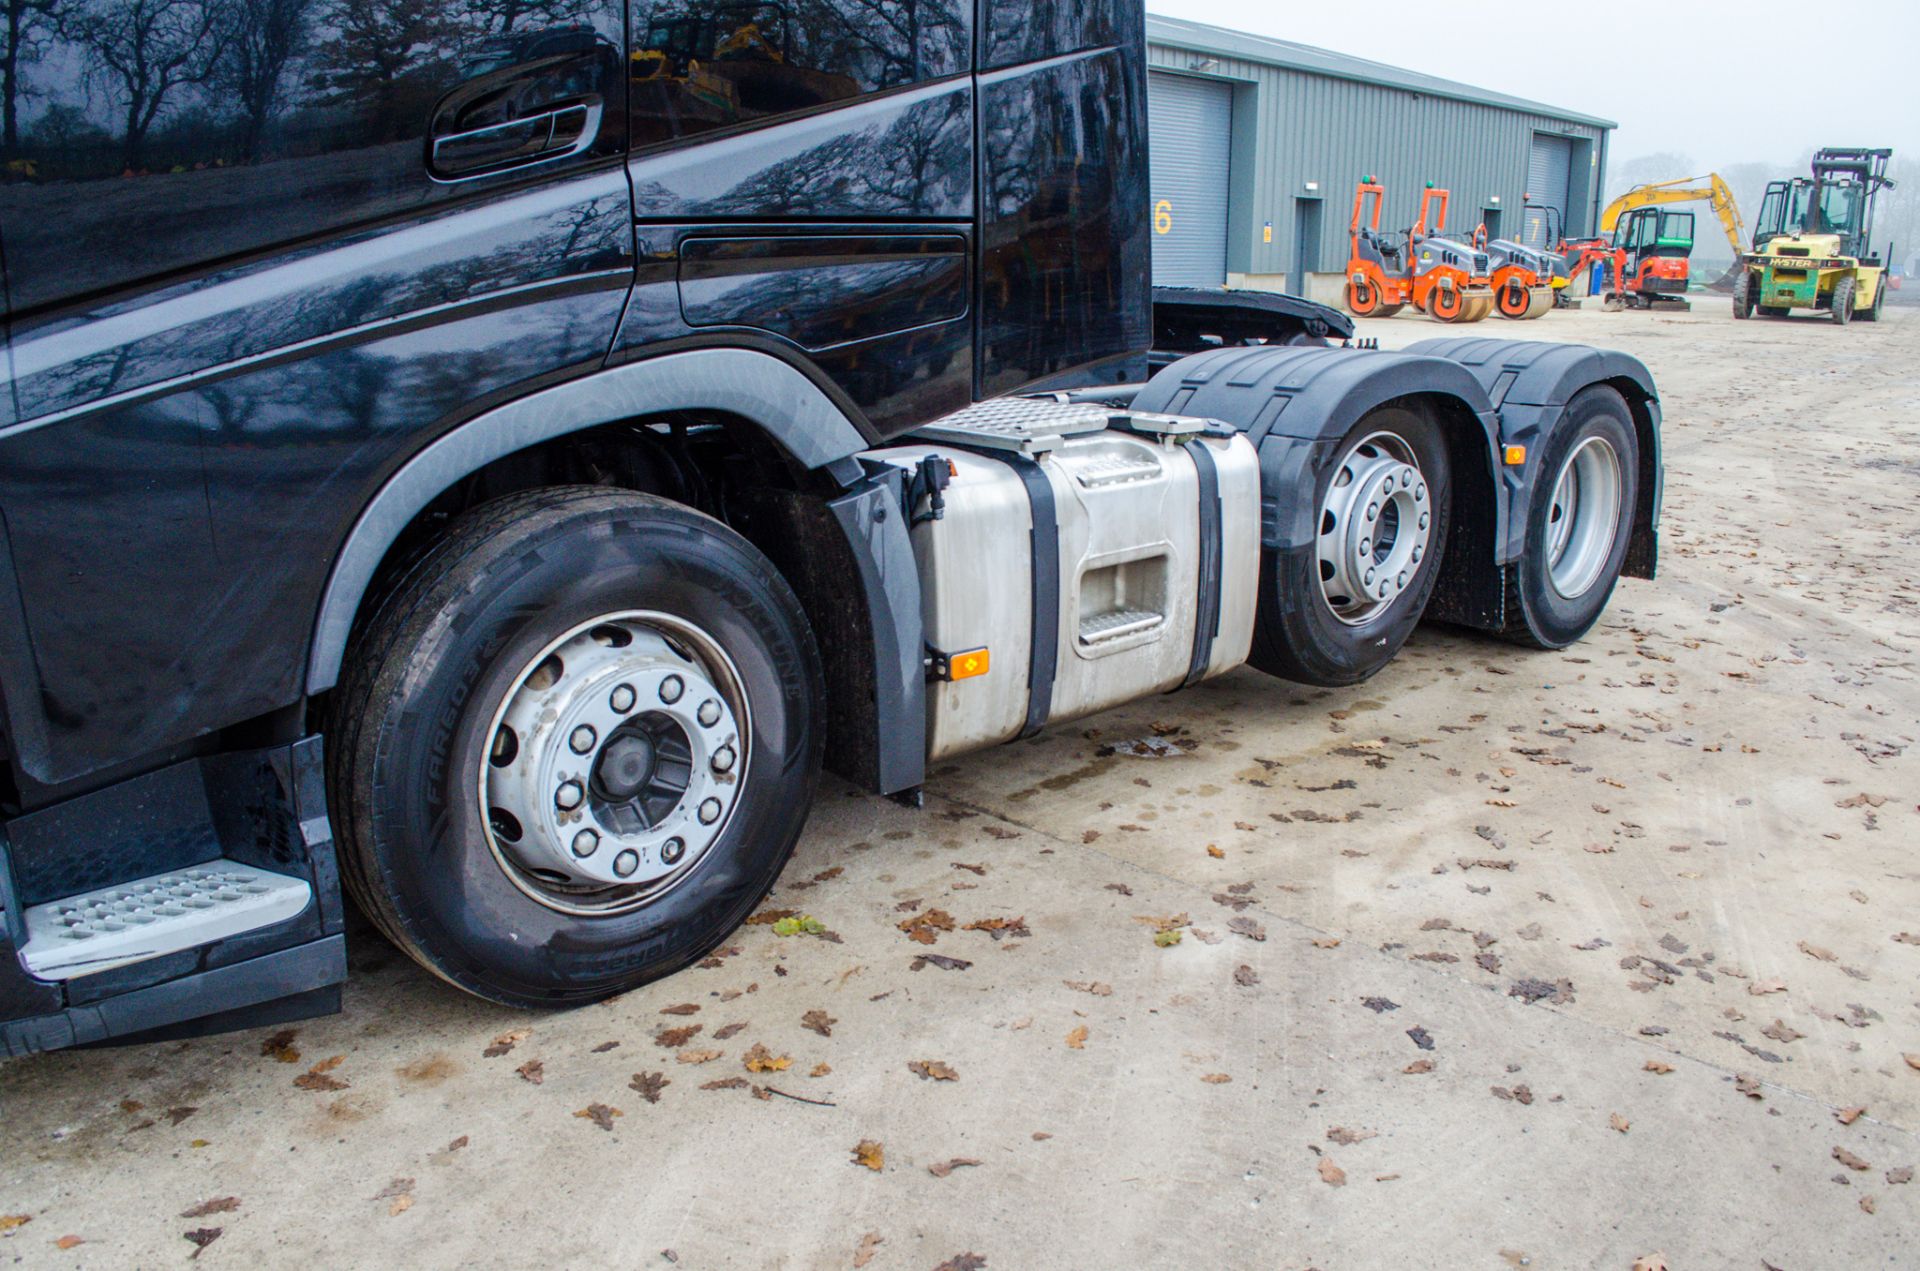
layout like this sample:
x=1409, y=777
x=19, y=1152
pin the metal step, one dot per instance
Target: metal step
x=1030, y=425
x=114, y=926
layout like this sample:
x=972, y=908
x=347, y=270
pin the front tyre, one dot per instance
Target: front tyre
x=575, y=745
x=1743, y=295
x=1334, y=611
x=1842, y=305
x=1579, y=524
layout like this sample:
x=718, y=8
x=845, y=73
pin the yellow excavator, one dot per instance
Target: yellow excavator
x=1710, y=189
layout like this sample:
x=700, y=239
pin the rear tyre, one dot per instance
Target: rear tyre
x=1743, y=295
x=1842, y=307
x=1363, y=299
x=1872, y=312
x=1579, y=524
x=1335, y=610
x=1447, y=304
x=574, y=746
x=1514, y=301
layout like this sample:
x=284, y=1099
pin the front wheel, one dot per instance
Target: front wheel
x=1872, y=312
x=1335, y=610
x=1743, y=295
x=575, y=745
x=1363, y=299
x=1842, y=304
x=1578, y=525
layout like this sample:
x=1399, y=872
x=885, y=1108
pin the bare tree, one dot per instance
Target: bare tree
x=26, y=23
x=149, y=48
x=265, y=36
x=379, y=49
x=502, y=17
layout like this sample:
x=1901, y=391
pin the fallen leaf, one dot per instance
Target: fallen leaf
x=1655, y=1065
x=1780, y=1031
x=1326, y=942
x=1421, y=1038
x=1816, y=952
x=1868, y=1204
x=69, y=1242
x=1849, y=1160
x=1216, y=853
x=698, y=1056
x=279, y=1047
x=13, y=1222
x=767, y=917
x=1247, y=927
x=1094, y=987
x=1216, y=1078
x=1747, y=1085
x=1760, y=988
x=820, y=1070
x=925, y=928
x=968, y=1261
x=675, y=1038
x=869, y=1245
x=1913, y=1061
x=1245, y=976
x=1900, y=1174
x=819, y=1022
x=933, y=1070
x=1847, y=1116
x=1650, y=1262
x=941, y=1169
x=314, y=1078
x=649, y=1085
x=685, y=1008
x=506, y=1042
x=201, y=1237
x=1418, y=1066
x=401, y=1204
x=1347, y=1138
x=1077, y=1039
x=1619, y=1122
x=1330, y=1174
x=218, y=1205
x=760, y=1059
x=940, y=960
x=803, y=925
x=870, y=1154
x=727, y=1083
x=721, y=1034
x=532, y=1071
x=602, y=1115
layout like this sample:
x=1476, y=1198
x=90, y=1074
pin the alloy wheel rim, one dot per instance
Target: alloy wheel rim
x=614, y=763
x=1375, y=528
x=1583, y=517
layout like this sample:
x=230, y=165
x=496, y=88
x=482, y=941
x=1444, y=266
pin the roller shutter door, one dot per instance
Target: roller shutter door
x=1549, y=174
x=1191, y=132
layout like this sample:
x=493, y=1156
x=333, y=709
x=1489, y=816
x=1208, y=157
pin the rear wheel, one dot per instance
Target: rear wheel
x=1872, y=312
x=1579, y=524
x=1336, y=610
x=1363, y=299
x=1743, y=295
x=575, y=745
x=1514, y=301
x=1842, y=306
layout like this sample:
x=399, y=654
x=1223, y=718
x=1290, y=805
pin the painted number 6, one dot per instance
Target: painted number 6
x=1163, y=217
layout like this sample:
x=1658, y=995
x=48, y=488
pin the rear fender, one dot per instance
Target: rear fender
x=1529, y=384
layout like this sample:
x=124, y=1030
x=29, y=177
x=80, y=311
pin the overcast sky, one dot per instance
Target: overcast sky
x=1722, y=83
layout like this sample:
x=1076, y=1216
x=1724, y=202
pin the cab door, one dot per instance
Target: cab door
x=261, y=252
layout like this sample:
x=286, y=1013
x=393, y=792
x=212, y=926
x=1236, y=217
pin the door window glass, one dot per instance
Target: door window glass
x=700, y=65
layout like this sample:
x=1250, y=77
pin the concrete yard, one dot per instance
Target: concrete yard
x=1502, y=959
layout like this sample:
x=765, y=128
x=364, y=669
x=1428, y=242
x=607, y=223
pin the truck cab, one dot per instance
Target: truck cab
x=494, y=484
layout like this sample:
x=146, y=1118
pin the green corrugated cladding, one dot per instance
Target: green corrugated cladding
x=1306, y=115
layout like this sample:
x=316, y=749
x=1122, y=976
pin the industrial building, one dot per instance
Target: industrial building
x=1258, y=144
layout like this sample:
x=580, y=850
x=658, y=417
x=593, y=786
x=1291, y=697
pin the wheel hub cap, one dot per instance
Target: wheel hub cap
x=1375, y=523
x=1583, y=517
x=616, y=761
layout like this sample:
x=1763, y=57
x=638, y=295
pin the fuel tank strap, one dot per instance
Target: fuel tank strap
x=1207, y=609
x=1044, y=660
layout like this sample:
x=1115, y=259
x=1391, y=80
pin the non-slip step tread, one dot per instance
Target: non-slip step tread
x=152, y=917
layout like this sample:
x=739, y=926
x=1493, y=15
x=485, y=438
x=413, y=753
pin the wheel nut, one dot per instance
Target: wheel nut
x=1366, y=547
x=1419, y=493
x=709, y=713
x=723, y=759
x=582, y=739
x=1373, y=511
x=585, y=844
x=672, y=850
x=671, y=688
x=1403, y=581
x=569, y=795
x=1423, y=520
x=1369, y=578
x=625, y=863
x=622, y=699
x=1418, y=552
x=709, y=811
